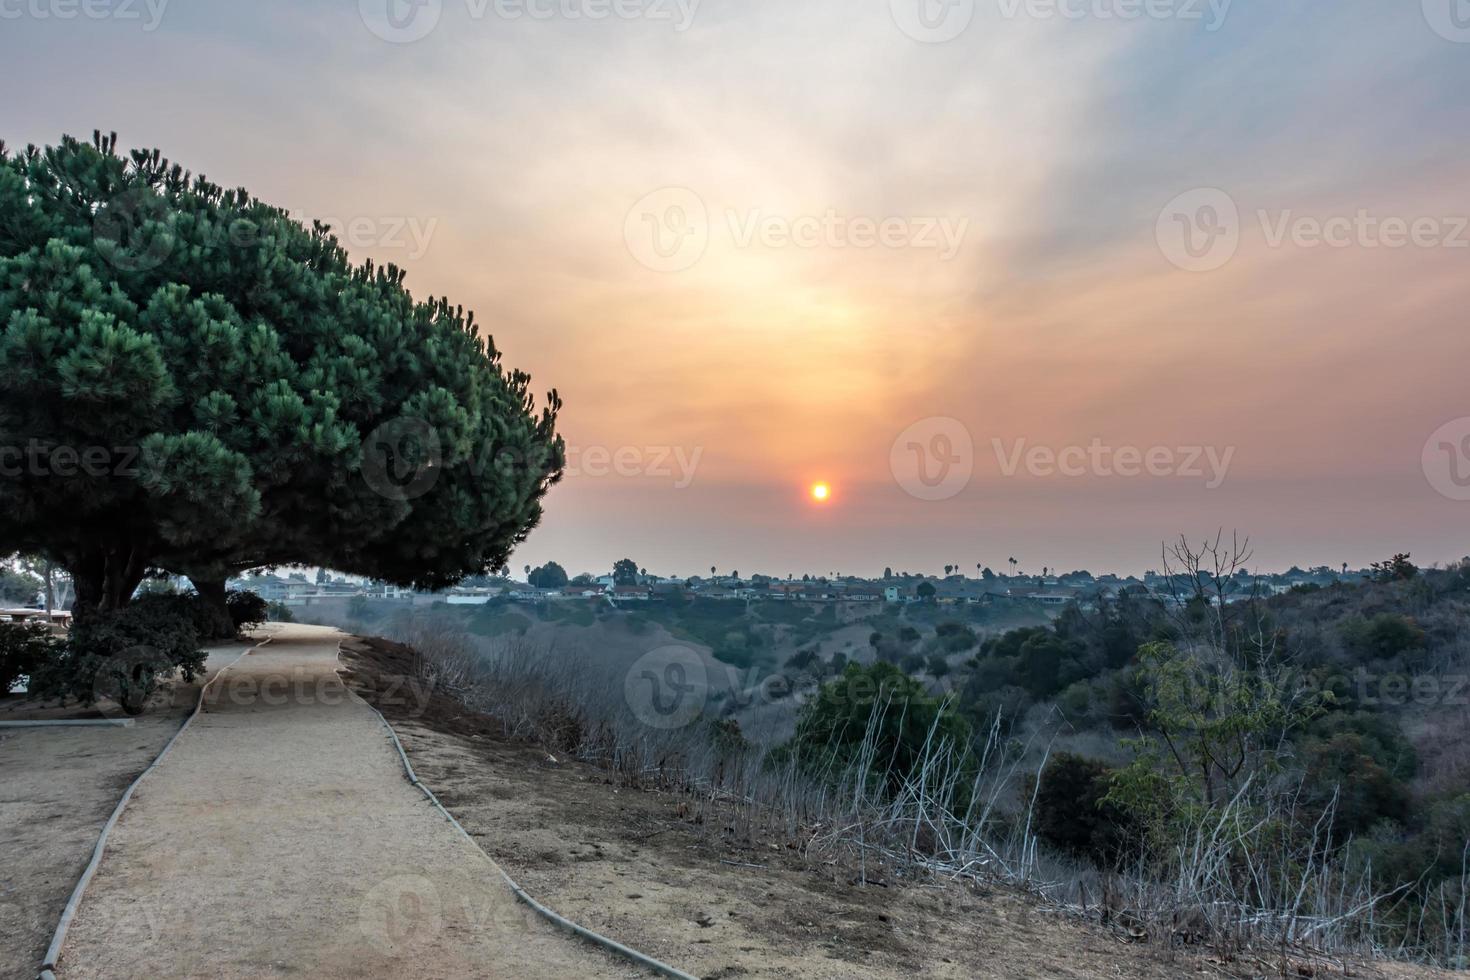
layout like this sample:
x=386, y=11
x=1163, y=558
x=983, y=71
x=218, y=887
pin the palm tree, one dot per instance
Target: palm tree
x=1013, y=565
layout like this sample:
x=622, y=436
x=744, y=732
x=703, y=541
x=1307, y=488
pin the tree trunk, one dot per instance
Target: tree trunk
x=106, y=578
x=212, y=594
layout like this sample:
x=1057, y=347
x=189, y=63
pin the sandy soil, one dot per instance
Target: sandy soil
x=280, y=836
x=57, y=788
x=721, y=900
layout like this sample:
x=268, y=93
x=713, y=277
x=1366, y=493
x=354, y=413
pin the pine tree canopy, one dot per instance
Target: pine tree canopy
x=192, y=380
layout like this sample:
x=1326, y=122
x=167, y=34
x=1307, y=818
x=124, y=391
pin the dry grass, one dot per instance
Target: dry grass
x=1280, y=904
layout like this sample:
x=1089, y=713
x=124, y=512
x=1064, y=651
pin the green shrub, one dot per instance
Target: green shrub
x=24, y=649
x=247, y=609
x=494, y=620
x=121, y=655
x=175, y=608
x=279, y=612
x=956, y=637
x=878, y=702
x=1385, y=637
x=1071, y=814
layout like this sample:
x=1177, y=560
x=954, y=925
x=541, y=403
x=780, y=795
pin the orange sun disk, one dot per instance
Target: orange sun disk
x=820, y=491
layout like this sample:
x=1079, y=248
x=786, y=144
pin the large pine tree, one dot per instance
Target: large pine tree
x=191, y=380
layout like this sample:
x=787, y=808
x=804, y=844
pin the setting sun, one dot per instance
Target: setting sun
x=820, y=492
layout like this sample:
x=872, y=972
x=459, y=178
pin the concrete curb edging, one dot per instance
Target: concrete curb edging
x=611, y=945
x=71, y=723
x=53, y=952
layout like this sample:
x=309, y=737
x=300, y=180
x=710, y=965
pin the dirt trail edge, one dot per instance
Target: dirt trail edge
x=280, y=836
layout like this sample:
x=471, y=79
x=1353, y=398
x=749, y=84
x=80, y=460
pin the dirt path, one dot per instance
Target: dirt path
x=280, y=837
x=57, y=788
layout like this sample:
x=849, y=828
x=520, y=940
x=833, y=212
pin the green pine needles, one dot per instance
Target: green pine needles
x=191, y=380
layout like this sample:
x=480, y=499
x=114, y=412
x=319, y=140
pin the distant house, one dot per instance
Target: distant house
x=893, y=594
x=467, y=599
x=582, y=591
x=634, y=592
x=272, y=590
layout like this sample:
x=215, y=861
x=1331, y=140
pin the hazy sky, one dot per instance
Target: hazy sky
x=1052, y=279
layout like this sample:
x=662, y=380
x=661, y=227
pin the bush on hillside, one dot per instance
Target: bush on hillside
x=956, y=637
x=1386, y=637
x=1072, y=815
x=881, y=704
